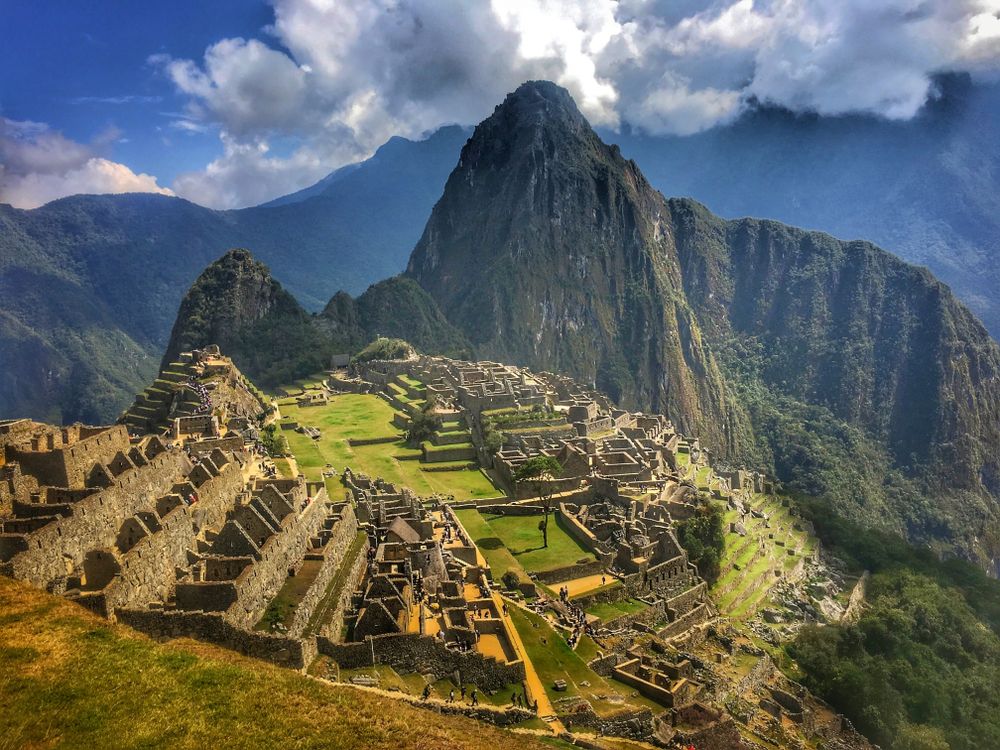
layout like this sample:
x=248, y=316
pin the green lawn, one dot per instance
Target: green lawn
x=553, y=659
x=499, y=557
x=610, y=610
x=363, y=416
x=521, y=536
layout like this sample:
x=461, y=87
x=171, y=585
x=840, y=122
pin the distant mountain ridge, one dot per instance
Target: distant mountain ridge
x=91, y=284
x=927, y=189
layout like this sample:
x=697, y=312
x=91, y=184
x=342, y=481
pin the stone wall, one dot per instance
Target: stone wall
x=147, y=570
x=213, y=628
x=696, y=616
x=417, y=653
x=636, y=725
x=95, y=521
x=341, y=536
x=569, y=572
x=69, y=465
x=334, y=627
x=282, y=552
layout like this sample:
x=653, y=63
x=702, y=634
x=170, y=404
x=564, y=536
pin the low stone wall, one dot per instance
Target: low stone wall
x=605, y=595
x=213, y=628
x=440, y=455
x=649, y=617
x=415, y=653
x=635, y=725
x=512, y=509
x=354, y=442
x=604, y=665
x=335, y=625
x=687, y=600
x=696, y=616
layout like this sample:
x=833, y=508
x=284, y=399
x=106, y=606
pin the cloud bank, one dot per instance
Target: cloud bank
x=338, y=78
x=38, y=164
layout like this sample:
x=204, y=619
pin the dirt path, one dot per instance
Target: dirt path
x=585, y=584
x=533, y=683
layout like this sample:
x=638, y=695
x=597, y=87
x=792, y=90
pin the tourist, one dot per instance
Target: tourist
x=427, y=693
x=451, y=695
x=475, y=698
x=463, y=692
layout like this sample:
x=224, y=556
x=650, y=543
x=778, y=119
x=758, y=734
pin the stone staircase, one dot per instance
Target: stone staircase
x=151, y=409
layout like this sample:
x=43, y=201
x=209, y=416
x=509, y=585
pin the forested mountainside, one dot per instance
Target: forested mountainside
x=841, y=368
x=91, y=284
x=926, y=189
x=549, y=249
x=236, y=304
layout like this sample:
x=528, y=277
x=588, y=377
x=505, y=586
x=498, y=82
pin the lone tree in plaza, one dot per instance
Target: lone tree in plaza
x=538, y=470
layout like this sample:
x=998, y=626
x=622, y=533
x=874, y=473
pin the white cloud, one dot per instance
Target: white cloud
x=38, y=165
x=350, y=74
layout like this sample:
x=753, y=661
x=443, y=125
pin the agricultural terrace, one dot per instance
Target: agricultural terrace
x=749, y=563
x=352, y=416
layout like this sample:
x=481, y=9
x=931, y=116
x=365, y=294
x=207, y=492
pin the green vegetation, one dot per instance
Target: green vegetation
x=273, y=441
x=236, y=304
x=384, y=348
x=421, y=427
x=538, y=470
x=610, y=610
x=353, y=416
x=553, y=659
x=519, y=534
x=920, y=668
x=498, y=557
x=703, y=537
x=72, y=680
x=918, y=671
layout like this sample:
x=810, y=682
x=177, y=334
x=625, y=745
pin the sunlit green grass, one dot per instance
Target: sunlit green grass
x=363, y=417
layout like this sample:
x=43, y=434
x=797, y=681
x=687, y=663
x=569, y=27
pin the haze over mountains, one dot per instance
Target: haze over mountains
x=91, y=284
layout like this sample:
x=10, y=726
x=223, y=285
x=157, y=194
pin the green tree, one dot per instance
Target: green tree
x=422, y=426
x=538, y=470
x=703, y=537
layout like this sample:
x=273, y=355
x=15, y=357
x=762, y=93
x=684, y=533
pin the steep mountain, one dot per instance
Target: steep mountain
x=549, y=249
x=237, y=304
x=90, y=284
x=843, y=369
x=927, y=189
x=396, y=308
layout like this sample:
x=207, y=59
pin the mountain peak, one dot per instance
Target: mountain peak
x=537, y=104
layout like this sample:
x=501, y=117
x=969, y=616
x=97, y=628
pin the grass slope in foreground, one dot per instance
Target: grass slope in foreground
x=72, y=680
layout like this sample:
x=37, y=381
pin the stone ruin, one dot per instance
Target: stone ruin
x=180, y=532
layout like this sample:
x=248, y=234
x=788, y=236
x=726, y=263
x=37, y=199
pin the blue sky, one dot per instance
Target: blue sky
x=67, y=63
x=231, y=103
